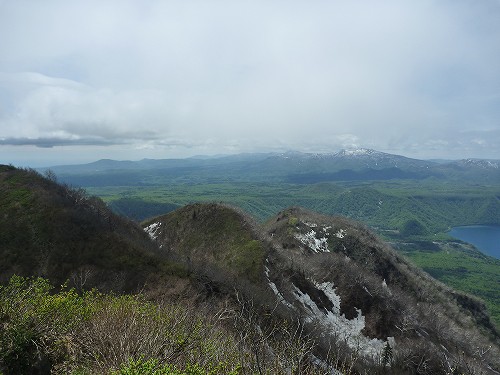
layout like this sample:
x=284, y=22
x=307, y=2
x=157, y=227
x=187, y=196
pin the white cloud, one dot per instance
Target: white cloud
x=247, y=75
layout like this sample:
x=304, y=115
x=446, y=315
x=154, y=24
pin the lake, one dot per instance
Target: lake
x=485, y=237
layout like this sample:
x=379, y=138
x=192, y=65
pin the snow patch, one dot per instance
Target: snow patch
x=340, y=234
x=315, y=244
x=316, y=239
x=310, y=225
x=333, y=322
x=481, y=163
x=274, y=288
x=329, y=291
x=152, y=230
x=356, y=152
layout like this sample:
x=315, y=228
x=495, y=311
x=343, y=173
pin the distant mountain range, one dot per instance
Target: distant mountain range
x=294, y=167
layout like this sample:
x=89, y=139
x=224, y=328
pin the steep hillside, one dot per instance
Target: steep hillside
x=349, y=283
x=212, y=239
x=50, y=230
x=179, y=323
x=351, y=292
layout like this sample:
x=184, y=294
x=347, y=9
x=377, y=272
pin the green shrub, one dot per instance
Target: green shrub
x=66, y=332
x=153, y=367
x=35, y=323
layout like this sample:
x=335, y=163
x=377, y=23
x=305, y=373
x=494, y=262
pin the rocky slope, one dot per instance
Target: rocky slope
x=350, y=291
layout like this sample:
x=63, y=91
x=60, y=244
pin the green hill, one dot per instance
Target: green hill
x=214, y=234
x=51, y=230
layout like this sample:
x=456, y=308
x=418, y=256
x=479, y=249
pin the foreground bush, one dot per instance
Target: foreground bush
x=66, y=332
x=35, y=323
x=47, y=332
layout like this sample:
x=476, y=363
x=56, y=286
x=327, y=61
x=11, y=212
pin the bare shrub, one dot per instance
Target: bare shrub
x=127, y=327
x=271, y=345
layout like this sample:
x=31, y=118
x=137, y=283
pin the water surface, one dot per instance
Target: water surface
x=485, y=237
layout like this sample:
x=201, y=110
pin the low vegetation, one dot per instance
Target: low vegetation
x=67, y=332
x=95, y=333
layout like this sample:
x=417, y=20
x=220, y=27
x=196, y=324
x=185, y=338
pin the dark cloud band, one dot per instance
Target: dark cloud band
x=53, y=142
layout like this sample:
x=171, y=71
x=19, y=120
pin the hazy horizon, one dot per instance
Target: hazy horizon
x=59, y=162
x=127, y=79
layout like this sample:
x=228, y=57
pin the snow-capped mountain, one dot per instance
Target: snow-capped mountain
x=292, y=166
x=479, y=163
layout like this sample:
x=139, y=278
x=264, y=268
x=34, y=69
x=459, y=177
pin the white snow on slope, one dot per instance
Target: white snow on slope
x=356, y=152
x=315, y=244
x=310, y=225
x=152, y=230
x=274, y=288
x=317, y=237
x=348, y=330
x=311, y=240
x=340, y=234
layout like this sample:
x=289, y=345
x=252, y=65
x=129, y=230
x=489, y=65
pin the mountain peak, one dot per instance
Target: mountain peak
x=357, y=152
x=479, y=163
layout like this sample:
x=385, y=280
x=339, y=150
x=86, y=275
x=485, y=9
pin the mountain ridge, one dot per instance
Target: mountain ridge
x=288, y=166
x=333, y=275
x=54, y=231
x=329, y=277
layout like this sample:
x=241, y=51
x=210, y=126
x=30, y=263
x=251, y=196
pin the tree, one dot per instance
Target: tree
x=413, y=227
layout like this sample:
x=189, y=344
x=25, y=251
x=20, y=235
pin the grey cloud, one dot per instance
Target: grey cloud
x=53, y=142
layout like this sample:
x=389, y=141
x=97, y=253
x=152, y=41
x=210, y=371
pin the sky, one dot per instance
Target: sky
x=133, y=79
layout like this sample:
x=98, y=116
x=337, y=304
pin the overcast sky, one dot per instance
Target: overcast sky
x=123, y=79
